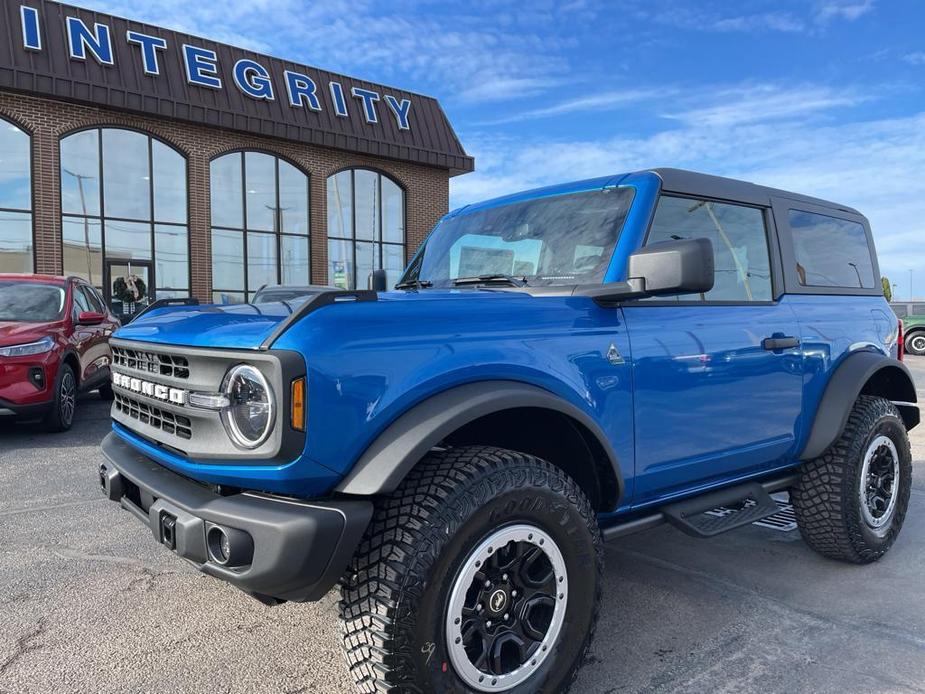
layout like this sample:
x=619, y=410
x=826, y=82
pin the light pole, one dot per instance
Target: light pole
x=83, y=206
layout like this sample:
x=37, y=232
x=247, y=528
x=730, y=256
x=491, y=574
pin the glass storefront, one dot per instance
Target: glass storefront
x=15, y=199
x=260, y=225
x=124, y=216
x=366, y=227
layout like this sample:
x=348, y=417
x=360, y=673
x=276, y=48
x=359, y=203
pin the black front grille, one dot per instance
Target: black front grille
x=166, y=421
x=151, y=362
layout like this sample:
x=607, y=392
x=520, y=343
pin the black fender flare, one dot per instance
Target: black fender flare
x=892, y=380
x=403, y=443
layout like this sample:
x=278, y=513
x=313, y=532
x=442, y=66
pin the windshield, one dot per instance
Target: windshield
x=559, y=240
x=31, y=302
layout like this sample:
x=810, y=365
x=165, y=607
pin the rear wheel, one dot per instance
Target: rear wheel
x=61, y=415
x=915, y=343
x=851, y=502
x=482, y=572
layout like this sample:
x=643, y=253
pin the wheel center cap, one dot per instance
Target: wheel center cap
x=498, y=601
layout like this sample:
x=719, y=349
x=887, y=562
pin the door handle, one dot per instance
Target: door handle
x=774, y=343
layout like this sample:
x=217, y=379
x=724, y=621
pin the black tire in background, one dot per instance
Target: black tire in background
x=106, y=392
x=850, y=502
x=61, y=415
x=914, y=342
x=397, y=594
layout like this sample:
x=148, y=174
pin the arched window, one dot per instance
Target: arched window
x=124, y=215
x=259, y=225
x=15, y=199
x=366, y=227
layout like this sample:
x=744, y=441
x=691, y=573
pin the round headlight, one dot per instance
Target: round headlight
x=250, y=413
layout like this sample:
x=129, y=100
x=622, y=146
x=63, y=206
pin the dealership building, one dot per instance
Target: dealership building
x=133, y=152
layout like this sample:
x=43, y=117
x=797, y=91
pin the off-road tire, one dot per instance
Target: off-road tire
x=61, y=415
x=827, y=498
x=394, y=595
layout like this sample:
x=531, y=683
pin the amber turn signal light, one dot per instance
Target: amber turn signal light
x=298, y=404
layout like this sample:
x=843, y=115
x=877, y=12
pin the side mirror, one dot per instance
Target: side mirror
x=378, y=280
x=671, y=267
x=90, y=318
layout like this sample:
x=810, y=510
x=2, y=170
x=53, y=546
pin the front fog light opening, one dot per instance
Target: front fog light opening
x=229, y=547
x=250, y=414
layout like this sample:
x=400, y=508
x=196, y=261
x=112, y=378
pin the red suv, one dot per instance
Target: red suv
x=54, y=343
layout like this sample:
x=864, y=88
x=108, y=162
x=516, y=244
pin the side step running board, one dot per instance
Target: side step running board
x=748, y=502
x=742, y=504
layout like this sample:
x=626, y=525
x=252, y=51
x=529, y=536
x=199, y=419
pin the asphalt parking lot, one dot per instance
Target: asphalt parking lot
x=89, y=603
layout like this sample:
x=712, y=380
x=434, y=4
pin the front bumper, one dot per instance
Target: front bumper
x=298, y=550
x=29, y=411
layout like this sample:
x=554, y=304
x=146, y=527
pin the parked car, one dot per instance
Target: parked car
x=556, y=369
x=912, y=314
x=54, y=343
x=281, y=292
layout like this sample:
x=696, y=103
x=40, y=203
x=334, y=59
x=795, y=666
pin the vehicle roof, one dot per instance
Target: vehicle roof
x=672, y=181
x=24, y=277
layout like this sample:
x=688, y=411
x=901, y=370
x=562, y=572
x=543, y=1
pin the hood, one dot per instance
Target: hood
x=19, y=333
x=235, y=326
x=246, y=326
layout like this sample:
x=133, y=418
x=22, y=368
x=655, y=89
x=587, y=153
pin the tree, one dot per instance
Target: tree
x=887, y=288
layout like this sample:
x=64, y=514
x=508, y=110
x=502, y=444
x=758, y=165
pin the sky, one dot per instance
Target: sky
x=822, y=97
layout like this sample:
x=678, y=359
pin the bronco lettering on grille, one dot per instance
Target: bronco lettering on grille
x=152, y=390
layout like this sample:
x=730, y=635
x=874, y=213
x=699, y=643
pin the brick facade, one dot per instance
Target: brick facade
x=426, y=188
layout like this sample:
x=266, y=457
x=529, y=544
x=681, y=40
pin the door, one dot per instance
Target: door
x=717, y=377
x=92, y=339
x=129, y=286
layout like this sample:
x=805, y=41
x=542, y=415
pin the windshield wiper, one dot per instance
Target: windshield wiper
x=491, y=279
x=414, y=284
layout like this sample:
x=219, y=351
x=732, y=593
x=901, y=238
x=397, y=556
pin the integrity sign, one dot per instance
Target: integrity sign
x=203, y=68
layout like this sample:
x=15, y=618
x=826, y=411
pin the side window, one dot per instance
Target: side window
x=94, y=292
x=92, y=299
x=901, y=310
x=918, y=309
x=740, y=245
x=80, y=301
x=831, y=252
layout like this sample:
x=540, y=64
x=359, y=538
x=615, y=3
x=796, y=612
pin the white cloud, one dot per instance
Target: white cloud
x=600, y=102
x=705, y=20
x=752, y=104
x=916, y=58
x=849, y=10
x=506, y=88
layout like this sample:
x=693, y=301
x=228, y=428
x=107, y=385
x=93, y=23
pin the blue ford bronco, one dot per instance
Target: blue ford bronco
x=555, y=369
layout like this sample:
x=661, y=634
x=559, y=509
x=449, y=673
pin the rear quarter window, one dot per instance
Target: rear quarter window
x=831, y=252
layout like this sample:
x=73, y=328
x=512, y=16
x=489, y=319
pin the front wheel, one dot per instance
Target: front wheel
x=850, y=503
x=61, y=415
x=482, y=572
